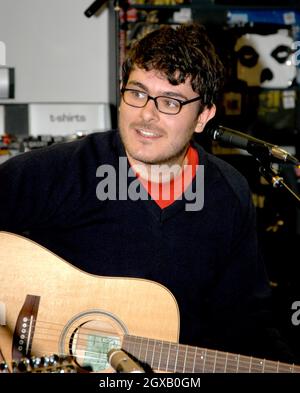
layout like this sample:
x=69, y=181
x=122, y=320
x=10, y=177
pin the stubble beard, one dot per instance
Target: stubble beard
x=173, y=157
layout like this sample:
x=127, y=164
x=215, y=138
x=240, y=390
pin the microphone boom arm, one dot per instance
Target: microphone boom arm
x=264, y=153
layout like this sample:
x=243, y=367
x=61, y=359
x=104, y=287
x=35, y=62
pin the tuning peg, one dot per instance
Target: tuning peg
x=3, y=368
x=35, y=362
x=45, y=360
x=54, y=359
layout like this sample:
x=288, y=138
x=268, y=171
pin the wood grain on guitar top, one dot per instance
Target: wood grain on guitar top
x=143, y=307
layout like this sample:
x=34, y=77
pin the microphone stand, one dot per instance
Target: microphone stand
x=94, y=7
x=261, y=154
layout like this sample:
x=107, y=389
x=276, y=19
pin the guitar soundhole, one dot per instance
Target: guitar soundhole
x=89, y=337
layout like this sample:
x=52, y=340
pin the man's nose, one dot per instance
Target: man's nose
x=150, y=110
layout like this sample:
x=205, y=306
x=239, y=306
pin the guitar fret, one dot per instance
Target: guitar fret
x=176, y=359
x=168, y=358
x=174, y=350
x=204, y=360
x=180, y=360
x=190, y=359
x=209, y=361
x=257, y=365
x=153, y=351
x=133, y=347
x=197, y=360
x=185, y=359
x=150, y=352
x=238, y=364
x=243, y=364
x=142, y=353
x=139, y=356
x=216, y=354
x=226, y=360
x=221, y=362
x=160, y=352
x=194, y=361
x=287, y=368
x=165, y=356
x=231, y=363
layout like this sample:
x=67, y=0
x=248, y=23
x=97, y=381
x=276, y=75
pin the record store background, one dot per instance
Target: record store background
x=59, y=80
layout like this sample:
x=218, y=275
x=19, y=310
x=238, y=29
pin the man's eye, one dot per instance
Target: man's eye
x=171, y=103
x=137, y=94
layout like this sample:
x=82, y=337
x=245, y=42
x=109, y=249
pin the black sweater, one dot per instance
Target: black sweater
x=208, y=258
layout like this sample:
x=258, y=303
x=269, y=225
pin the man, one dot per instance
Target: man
x=89, y=200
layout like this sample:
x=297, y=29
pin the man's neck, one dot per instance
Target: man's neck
x=159, y=173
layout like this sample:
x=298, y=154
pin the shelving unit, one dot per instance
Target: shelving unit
x=127, y=17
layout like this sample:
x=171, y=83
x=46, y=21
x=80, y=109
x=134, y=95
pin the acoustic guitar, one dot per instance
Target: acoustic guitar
x=49, y=306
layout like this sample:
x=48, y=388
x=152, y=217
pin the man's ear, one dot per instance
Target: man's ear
x=204, y=117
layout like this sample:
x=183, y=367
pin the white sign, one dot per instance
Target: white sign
x=67, y=119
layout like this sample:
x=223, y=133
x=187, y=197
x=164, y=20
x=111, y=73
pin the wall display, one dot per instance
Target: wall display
x=266, y=60
x=261, y=92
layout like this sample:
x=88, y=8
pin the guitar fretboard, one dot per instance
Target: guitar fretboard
x=172, y=357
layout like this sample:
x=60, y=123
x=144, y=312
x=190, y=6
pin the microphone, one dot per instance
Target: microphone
x=251, y=144
x=122, y=363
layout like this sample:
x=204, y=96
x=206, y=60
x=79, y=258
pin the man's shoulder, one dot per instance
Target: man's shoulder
x=221, y=174
x=101, y=141
x=226, y=170
x=93, y=148
x=107, y=137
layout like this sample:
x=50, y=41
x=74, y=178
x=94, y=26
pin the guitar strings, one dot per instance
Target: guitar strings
x=183, y=356
x=52, y=332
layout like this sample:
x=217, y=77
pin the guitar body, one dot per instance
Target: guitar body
x=49, y=306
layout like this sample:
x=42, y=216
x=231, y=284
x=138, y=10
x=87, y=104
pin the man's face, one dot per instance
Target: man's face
x=152, y=137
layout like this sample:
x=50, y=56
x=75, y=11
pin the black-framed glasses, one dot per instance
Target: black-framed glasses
x=164, y=104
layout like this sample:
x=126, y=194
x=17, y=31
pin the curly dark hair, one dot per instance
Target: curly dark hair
x=180, y=53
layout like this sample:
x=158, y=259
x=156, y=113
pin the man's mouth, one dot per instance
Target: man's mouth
x=148, y=133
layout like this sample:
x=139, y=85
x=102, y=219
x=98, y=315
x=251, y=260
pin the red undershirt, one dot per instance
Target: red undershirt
x=164, y=194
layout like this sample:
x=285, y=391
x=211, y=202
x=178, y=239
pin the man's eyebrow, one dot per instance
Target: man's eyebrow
x=174, y=94
x=137, y=84
x=163, y=93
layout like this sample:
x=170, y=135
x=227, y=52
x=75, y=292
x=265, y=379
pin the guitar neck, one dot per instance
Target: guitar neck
x=177, y=358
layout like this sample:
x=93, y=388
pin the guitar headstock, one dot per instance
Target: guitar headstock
x=43, y=364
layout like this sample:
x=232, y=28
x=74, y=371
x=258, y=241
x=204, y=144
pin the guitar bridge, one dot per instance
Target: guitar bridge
x=25, y=326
